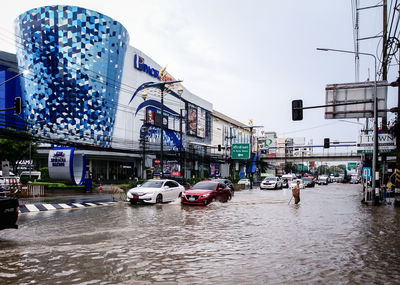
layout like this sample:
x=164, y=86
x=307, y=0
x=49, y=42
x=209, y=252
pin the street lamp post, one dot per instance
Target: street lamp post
x=162, y=86
x=375, y=150
x=251, y=127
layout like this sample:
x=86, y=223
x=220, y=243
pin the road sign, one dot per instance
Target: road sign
x=241, y=151
x=367, y=172
x=351, y=165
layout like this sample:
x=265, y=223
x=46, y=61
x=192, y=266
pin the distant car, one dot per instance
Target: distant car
x=308, y=182
x=227, y=183
x=155, y=191
x=245, y=182
x=294, y=183
x=182, y=181
x=285, y=183
x=205, y=192
x=271, y=183
x=354, y=180
x=323, y=180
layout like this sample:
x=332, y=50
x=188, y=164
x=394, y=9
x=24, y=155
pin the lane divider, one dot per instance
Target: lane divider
x=38, y=207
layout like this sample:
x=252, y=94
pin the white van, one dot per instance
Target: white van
x=289, y=177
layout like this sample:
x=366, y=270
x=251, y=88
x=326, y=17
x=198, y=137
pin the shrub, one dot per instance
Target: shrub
x=44, y=174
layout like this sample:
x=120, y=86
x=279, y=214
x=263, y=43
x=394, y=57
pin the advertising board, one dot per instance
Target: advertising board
x=201, y=123
x=351, y=93
x=192, y=120
x=386, y=143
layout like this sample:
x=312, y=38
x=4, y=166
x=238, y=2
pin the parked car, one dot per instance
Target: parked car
x=308, y=182
x=205, y=192
x=245, y=182
x=227, y=183
x=271, y=183
x=9, y=209
x=155, y=191
x=294, y=183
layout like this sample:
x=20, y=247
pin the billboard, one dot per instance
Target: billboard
x=352, y=93
x=201, y=123
x=192, y=120
x=386, y=143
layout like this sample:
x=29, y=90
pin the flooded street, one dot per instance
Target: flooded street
x=256, y=238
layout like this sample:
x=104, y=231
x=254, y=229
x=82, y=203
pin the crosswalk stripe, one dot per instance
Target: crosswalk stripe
x=49, y=207
x=32, y=208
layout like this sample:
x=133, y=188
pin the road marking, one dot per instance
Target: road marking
x=49, y=207
x=32, y=208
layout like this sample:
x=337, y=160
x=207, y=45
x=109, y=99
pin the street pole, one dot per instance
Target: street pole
x=251, y=152
x=162, y=131
x=375, y=190
x=180, y=143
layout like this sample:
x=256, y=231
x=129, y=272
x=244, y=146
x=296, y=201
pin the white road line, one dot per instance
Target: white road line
x=91, y=204
x=65, y=206
x=49, y=207
x=32, y=208
x=78, y=205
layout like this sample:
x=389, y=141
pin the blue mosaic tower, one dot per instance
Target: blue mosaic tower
x=75, y=57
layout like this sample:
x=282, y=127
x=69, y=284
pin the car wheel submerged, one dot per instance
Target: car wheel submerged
x=159, y=199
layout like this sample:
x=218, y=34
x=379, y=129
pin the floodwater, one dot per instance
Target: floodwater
x=256, y=238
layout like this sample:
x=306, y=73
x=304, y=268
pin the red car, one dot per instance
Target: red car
x=205, y=192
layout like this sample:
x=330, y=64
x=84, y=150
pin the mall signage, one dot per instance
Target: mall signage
x=66, y=165
x=138, y=63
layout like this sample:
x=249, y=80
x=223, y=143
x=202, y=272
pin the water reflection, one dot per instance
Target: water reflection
x=256, y=238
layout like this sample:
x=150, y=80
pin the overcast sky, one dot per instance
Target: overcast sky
x=249, y=58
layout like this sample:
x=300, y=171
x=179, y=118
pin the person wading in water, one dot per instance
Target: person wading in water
x=296, y=192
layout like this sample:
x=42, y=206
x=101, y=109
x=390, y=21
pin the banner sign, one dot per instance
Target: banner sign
x=65, y=165
x=386, y=143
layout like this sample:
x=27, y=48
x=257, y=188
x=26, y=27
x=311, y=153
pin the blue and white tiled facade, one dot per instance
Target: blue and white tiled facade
x=75, y=57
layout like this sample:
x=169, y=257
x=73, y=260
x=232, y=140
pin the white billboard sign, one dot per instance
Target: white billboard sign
x=351, y=93
x=386, y=143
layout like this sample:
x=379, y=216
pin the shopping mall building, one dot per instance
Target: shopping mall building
x=82, y=90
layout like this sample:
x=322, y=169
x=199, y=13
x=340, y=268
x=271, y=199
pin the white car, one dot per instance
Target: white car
x=155, y=191
x=245, y=182
x=294, y=182
x=271, y=183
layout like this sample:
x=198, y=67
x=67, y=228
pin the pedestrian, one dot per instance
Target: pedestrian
x=296, y=192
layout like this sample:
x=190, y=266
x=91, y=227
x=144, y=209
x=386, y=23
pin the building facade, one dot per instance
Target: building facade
x=82, y=88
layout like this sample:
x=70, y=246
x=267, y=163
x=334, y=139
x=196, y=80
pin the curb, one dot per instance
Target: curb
x=42, y=207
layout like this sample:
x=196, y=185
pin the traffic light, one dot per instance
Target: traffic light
x=297, y=110
x=17, y=105
x=219, y=147
x=326, y=143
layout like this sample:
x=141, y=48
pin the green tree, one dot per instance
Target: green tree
x=15, y=148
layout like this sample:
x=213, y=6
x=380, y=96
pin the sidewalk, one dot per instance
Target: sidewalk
x=67, y=199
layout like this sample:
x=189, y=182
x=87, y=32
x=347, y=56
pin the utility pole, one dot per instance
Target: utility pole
x=384, y=56
x=181, y=144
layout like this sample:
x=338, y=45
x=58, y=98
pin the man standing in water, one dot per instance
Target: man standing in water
x=296, y=192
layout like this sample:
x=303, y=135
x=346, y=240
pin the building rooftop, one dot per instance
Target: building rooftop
x=227, y=119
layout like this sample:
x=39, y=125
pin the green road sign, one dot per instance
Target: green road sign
x=240, y=151
x=351, y=165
